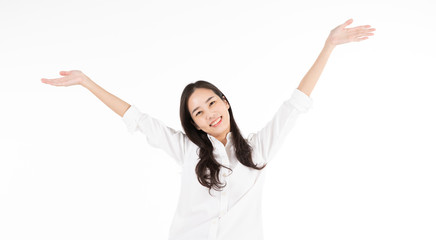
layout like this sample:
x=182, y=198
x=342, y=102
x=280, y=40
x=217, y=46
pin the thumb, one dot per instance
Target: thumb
x=63, y=73
x=348, y=22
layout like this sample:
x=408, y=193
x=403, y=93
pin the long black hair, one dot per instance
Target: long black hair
x=208, y=168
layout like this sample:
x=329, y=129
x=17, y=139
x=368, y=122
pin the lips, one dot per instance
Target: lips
x=215, y=121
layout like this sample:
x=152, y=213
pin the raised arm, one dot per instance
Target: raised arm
x=173, y=142
x=76, y=77
x=338, y=35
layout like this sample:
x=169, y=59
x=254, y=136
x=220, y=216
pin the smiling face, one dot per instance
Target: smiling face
x=209, y=112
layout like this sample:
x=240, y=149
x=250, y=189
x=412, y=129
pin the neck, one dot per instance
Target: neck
x=223, y=138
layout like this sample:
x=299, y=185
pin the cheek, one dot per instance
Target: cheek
x=225, y=110
x=195, y=122
x=199, y=123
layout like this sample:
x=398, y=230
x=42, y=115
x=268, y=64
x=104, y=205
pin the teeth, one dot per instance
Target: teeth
x=216, y=121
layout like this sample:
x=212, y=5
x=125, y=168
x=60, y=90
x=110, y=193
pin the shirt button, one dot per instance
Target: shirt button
x=223, y=212
x=224, y=193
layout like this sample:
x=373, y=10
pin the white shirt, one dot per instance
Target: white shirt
x=235, y=212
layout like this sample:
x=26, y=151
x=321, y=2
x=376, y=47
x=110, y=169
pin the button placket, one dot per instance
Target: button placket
x=213, y=230
x=224, y=192
x=223, y=159
x=223, y=203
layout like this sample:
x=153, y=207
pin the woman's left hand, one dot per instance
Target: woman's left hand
x=340, y=34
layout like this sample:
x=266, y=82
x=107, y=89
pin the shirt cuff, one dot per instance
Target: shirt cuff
x=300, y=101
x=131, y=118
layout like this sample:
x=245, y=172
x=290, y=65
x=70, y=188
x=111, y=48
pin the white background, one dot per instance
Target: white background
x=359, y=165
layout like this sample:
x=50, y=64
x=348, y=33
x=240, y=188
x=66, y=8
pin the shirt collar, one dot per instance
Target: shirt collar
x=228, y=137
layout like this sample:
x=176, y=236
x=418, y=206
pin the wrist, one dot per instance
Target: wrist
x=86, y=82
x=329, y=46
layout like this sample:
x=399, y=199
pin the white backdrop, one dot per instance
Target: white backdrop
x=359, y=165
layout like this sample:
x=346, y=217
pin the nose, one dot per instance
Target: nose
x=211, y=115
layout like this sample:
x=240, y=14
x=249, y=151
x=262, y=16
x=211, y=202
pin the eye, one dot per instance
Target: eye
x=197, y=113
x=212, y=103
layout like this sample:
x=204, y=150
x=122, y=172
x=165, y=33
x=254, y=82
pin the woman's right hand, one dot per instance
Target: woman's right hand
x=73, y=77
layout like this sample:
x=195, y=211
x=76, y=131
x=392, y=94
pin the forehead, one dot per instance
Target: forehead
x=199, y=97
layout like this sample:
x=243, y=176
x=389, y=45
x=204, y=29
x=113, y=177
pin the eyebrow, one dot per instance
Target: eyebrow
x=195, y=109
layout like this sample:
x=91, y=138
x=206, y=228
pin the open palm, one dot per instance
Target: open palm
x=73, y=77
x=340, y=34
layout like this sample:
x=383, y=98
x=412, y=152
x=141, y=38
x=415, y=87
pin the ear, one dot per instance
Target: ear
x=225, y=101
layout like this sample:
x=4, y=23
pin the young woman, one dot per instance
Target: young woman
x=222, y=175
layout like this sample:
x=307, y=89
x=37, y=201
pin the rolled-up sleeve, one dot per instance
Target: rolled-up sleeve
x=157, y=133
x=268, y=140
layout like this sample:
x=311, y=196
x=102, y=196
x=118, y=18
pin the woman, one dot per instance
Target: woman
x=222, y=175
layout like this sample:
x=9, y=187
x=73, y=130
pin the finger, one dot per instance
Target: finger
x=348, y=22
x=361, y=29
x=55, y=80
x=50, y=79
x=57, y=84
x=368, y=29
x=360, y=39
x=364, y=34
x=54, y=83
x=361, y=33
x=45, y=80
x=64, y=72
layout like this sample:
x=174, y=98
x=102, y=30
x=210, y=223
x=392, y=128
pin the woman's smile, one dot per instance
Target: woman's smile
x=216, y=122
